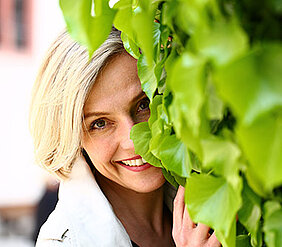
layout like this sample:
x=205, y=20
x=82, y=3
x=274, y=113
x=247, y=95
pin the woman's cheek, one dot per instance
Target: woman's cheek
x=102, y=149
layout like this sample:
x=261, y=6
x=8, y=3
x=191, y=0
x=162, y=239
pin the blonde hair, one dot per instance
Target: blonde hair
x=60, y=91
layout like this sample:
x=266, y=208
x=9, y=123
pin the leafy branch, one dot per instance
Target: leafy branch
x=212, y=70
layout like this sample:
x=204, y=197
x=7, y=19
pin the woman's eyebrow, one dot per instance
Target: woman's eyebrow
x=140, y=95
x=97, y=114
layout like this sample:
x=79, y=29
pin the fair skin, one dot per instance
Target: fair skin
x=133, y=187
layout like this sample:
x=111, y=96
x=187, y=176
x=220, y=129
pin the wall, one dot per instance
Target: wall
x=21, y=180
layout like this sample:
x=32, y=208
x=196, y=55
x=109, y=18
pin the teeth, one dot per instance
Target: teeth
x=138, y=162
x=144, y=161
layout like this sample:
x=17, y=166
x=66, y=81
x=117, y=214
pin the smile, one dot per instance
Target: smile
x=135, y=164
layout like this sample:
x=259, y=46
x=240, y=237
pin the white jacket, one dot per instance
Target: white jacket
x=83, y=216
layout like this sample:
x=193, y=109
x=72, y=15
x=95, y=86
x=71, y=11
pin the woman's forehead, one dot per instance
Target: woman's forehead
x=117, y=84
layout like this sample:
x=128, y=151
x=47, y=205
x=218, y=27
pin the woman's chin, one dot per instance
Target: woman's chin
x=147, y=184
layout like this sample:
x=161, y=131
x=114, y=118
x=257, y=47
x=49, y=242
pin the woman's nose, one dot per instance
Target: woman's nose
x=125, y=128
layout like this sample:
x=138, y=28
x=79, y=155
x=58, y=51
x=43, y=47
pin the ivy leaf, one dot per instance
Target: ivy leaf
x=84, y=27
x=177, y=112
x=221, y=156
x=213, y=42
x=250, y=213
x=214, y=105
x=190, y=15
x=123, y=18
x=174, y=156
x=141, y=135
x=169, y=11
x=158, y=124
x=173, y=178
x=230, y=240
x=243, y=241
x=123, y=22
x=142, y=21
x=156, y=101
x=180, y=180
x=214, y=202
x=251, y=85
x=147, y=77
x=169, y=178
x=130, y=46
x=158, y=134
x=262, y=145
x=273, y=224
x=186, y=81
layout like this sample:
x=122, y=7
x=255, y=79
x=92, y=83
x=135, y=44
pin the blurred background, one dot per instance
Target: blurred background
x=27, y=27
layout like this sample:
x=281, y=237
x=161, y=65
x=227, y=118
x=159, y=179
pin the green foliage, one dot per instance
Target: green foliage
x=212, y=70
x=84, y=25
x=273, y=223
x=213, y=201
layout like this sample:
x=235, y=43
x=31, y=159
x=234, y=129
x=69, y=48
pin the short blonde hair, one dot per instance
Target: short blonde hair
x=60, y=91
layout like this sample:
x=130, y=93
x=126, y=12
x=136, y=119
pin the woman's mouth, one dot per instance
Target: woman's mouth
x=135, y=164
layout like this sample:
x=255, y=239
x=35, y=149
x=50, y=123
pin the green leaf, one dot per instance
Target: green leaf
x=262, y=145
x=156, y=101
x=243, y=241
x=123, y=18
x=174, y=156
x=214, y=43
x=180, y=180
x=169, y=11
x=123, y=22
x=215, y=106
x=158, y=134
x=186, y=81
x=158, y=123
x=142, y=21
x=177, y=112
x=169, y=178
x=273, y=224
x=230, y=240
x=147, y=77
x=221, y=157
x=141, y=135
x=84, y=27
x=214, y=202
x=156, y=33
x=250, y=213
x=270, y=207
x=130, y=46
x=196, y=163
x=251, y=85
x=173, y=178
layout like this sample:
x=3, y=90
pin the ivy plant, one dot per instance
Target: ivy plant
x=212, y=70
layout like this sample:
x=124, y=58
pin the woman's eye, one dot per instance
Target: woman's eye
x=143, y=105
x=98, y=124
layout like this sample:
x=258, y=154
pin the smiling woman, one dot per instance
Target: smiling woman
x=81, y=116
x=115, y=103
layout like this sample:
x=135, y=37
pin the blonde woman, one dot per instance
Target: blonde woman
x=81, y=116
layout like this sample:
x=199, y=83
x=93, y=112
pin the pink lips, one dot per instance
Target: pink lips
x=135, y=168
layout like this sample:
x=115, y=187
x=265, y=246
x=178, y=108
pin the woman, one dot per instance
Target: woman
x=81, y=116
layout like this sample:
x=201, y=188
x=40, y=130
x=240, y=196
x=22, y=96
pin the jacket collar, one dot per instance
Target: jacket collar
x=92, y=216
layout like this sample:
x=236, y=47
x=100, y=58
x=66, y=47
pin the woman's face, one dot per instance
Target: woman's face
x=117, y=102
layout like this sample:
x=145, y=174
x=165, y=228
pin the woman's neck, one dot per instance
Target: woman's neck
x=135, y=210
